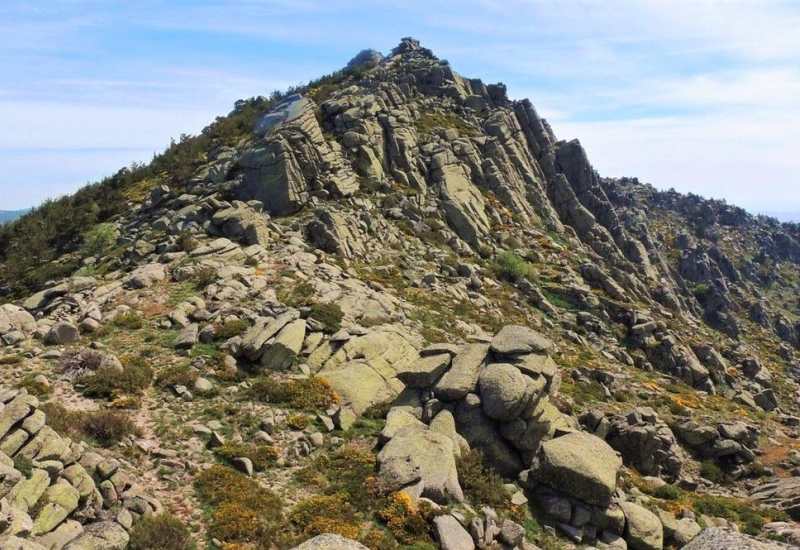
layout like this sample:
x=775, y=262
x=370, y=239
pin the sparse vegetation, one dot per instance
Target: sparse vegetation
x=310, y=393
x=512, y=267
x=129, y=321
x=105, y=427
x=262, y=456
x=742, y=512
x=110, y=381
x=162, y=532
x=429, y=122
x=243, y=511
x=179, y=375
x=482, y=485
x=330, y=315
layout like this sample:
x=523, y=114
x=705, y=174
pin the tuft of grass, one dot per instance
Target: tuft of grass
x=330, y=315
x=481, y=484
x=179, y=375
x=229, y=329
x=511, y=266
x=262, y=456
x=11, y=359
x=129, y=321
x=162, y=532
x=186, y=241
x=24, y=465
x=203, y=278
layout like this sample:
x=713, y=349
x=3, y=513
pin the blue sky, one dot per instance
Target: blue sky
x=701, y=96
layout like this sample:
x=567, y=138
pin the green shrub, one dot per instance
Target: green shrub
x=742, y=512
x=429, y=122
x=180, y=375
x=712, y=471
x=244, y=510
x=326, y=514
x=98, y=240
x=262, y=456
x=306, y=393
x=512, y=267
x=33, y=386
x=298, y=422
x=330, y=315
x=11, y=359
x=162, y=532
x=108, y=427
x=109, y=382
x=481, y=484
x=667, y=492
x=700, y=289
x=204, y=277
x=131, y=321
x=229, y=329
x=24, y=465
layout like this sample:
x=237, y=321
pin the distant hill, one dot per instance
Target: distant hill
x=11, y=215
x=784, y=216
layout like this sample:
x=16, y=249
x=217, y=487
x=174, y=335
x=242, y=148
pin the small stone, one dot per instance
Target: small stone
x=243, y=464
x=216, y=440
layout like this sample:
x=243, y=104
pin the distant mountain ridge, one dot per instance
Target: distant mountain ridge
x=11, y=215
x=785, y=217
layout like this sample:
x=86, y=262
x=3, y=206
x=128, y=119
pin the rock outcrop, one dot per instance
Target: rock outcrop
x=62, y=500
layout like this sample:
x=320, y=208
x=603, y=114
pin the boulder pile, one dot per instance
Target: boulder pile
x=55, y=493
